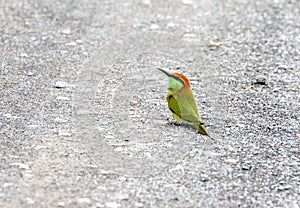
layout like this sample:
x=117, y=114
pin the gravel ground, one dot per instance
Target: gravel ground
x=83, y=117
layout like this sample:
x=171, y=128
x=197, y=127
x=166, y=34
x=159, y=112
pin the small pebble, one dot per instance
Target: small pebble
x=33, y=126
x=79, y=41
x=24, y=55
x=154, y=27
x=119, y=149
x=98, y=205
x=64, y=133
x=7, y=115
x=105, y=172
x=29, y=201
x=246, y=167
x=5, y=185
x=23, y=166
x=30, y=73
x=102, y=188
x=66, y=31
x=60, y=84
x=146, y=2
x=284, y=67
x=112, y=205
x=28, y=175
x=101, y=129
x=71, y=44
x=189, y=35
x=261, y=81
x=231, y=160
x=60, y=120
x=138, y=204
x=171, y=24
x=187, y=2
x=62, y=98
x=109, y=137
x=204, y=178
x=84, y=201
x=124, y=197
x=281, y=188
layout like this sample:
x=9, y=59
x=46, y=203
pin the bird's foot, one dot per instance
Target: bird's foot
x=174, y=123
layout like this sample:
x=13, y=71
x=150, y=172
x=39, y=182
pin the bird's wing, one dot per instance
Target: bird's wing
x=189, y=109
x=184, y=113
x=173, y=105
x=191, y=118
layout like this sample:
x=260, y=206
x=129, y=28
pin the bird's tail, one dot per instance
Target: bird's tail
x=201, y=129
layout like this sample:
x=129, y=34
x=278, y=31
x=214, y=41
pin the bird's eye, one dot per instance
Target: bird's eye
x=170, y=88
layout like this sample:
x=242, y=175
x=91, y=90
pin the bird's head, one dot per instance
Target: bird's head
x=176, y=81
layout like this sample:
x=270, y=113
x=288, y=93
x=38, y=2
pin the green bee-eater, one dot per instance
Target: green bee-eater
x=181, y=101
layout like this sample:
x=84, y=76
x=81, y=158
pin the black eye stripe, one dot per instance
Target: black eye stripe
x=178, y=79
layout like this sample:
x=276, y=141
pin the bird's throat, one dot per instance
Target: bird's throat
x=175, y=85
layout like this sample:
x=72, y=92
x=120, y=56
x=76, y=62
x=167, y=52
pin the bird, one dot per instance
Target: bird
x=181, y=101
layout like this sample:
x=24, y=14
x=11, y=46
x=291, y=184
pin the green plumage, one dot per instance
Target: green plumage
x=182, y=103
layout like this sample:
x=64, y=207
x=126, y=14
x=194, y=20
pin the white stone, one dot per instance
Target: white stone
x=29, y=201
x=112, y=205
x=84, y=201
x=154, y=27
x=60, y=84
x=5, y=185
x=62, y=98
x=119, y=149
x=231, y=160
x=146, y=2
x=23, y=166
x=7, y=115
x=98, y=205
x=171, y=24
x=60, y=120
x=187, y=2
x=138, y=204
x=189, y=35
x=71, y=43
x=79, y=41
x=66, y=31
x=64, y=133
x=33, y=126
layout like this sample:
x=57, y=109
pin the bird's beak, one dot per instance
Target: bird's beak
x=166, y=73
x=171, y=75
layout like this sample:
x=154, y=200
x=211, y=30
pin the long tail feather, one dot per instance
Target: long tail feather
x=201, y=129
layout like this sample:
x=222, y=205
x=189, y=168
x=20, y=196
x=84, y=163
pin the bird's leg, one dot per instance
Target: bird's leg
x=175, y=123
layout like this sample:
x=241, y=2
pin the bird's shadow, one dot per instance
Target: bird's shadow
x=185, y=125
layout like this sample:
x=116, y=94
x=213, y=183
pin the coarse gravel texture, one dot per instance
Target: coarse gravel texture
x=83, y=116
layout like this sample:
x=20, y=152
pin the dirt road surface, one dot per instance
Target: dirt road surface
x=83, y=116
